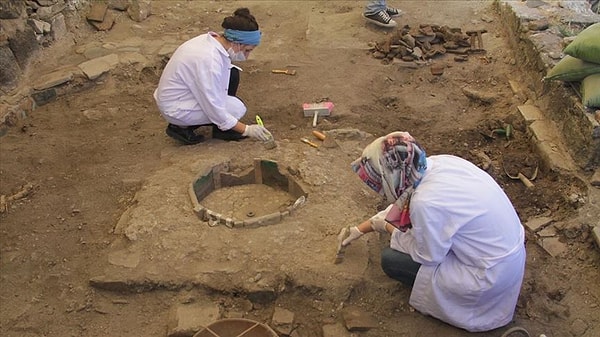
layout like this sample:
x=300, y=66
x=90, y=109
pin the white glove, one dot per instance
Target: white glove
x=378, y=225
x=353, y=234
x=258, y=132
x=378, y=222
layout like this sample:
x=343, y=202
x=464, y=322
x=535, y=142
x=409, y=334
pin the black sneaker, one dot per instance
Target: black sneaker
x=185, y=135
x=229, y=135
x=393, y=12
x=381, y=18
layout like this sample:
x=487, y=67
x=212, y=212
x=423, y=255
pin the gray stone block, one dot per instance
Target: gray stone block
x=11, y=9
x=530, y=113
x=335, y=330
x=537, y=223
x=358, y=320
x=24, y=45
x=283, y=321
x=596, y=234
x=9, y=69
x=552, y=246
x=44, y=97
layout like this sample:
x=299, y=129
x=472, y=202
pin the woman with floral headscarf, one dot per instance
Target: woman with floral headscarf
x=455, y=236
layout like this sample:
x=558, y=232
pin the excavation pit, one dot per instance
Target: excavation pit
x=259, y=196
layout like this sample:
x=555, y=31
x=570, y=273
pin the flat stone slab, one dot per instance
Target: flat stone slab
x=187, y=319
x=53, y=79
x=98, y=66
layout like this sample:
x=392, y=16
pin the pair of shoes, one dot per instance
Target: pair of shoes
x=393, y=12
x=381, y=18
x=229, y=135
x=183, y=134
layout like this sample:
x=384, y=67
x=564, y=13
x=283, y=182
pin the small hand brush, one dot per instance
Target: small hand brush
x=341, y=250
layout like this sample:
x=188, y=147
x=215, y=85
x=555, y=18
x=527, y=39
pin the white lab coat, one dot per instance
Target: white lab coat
x=193, y=86
x=470, y=243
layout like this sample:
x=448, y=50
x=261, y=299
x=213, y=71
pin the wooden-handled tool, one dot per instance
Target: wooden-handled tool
x=341, y=250
x=319, y=135
x=284, y=71
x=306, y=141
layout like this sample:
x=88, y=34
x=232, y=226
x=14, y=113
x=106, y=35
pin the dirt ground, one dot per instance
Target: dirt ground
x=89, y=153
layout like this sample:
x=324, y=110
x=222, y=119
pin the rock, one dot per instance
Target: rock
x=11, y=71
x=335, y=330
x=97, y=11
x=44, y=97
x=24, y=45
x=358, y=320
x=187, y=319
x=124, y=258
x=120, y=5
x=437, y=69
x=596, y=234
x=139, y=10
x=537, y=223
x=552, y=246
x=106, y=24
x=53, y=79
x=11, y=9
x=476, y=95
x=39, y=26
x=98, y=66
x=579, y=327
x=283, y=321
x=538, y=25
x=595, y=179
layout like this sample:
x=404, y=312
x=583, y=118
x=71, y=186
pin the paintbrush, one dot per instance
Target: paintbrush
x=341, y=250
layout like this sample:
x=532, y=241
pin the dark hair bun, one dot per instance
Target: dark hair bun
x=240, y=20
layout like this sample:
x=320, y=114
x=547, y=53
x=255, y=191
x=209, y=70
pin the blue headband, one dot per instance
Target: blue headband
x=244, y=37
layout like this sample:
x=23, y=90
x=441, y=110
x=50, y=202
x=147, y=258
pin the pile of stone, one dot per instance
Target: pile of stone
x=102, y=15
x=426, y=42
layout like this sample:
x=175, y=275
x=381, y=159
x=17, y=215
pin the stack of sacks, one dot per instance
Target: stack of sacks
x=582, y=64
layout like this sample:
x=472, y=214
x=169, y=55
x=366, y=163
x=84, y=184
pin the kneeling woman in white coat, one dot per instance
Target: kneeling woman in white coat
x=455, y=236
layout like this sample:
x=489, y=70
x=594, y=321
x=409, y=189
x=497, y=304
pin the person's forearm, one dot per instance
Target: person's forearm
x=239, y=127
x=365, y=227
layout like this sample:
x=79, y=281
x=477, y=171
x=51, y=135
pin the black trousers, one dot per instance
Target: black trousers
x=234, y=81
x=399, y=266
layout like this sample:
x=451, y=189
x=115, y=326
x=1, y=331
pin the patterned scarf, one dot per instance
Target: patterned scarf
x=393, y=165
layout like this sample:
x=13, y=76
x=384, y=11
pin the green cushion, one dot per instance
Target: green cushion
x=586, y=45
x=590, y=91
x=572, y=69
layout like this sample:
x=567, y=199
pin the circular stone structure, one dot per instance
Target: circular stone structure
x=236, y=327
x=264, y=172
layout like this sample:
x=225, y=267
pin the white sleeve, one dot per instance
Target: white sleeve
x=380, y=217
x=427, y=242
x=208, y=83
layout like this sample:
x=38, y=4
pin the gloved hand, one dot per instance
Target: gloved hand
x=354, y=234
x=257, y=132
x=378, y=225
x=378, y=222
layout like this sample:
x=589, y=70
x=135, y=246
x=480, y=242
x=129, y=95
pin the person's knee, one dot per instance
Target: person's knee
x=387, y=260
x=235, y=107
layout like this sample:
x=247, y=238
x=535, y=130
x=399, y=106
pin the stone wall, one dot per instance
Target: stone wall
x=26, y=27
x=538, y=38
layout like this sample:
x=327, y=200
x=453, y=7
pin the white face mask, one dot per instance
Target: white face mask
x=236, y=56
